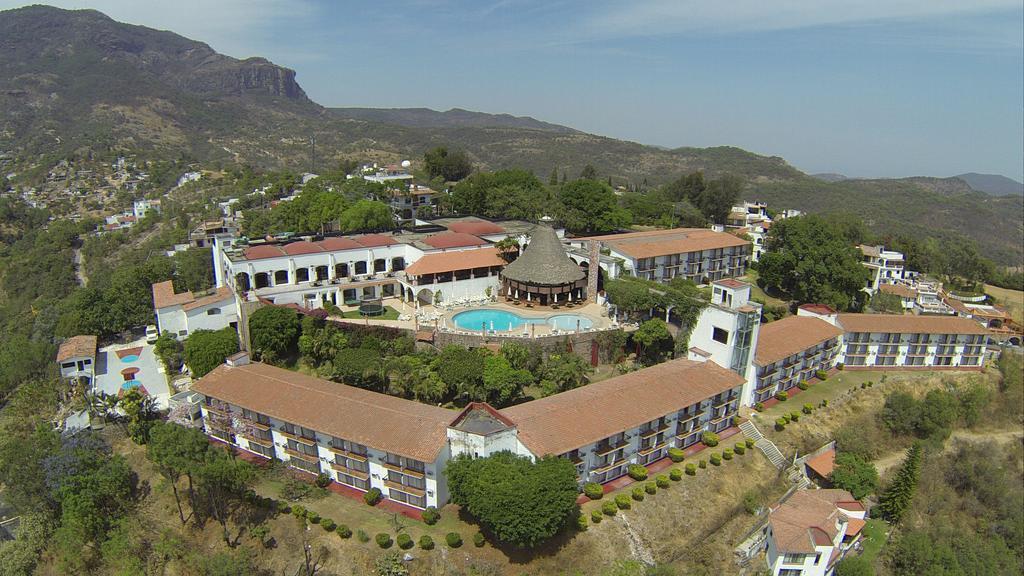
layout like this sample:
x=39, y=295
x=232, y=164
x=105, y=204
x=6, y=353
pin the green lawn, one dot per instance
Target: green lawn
x=836, y=385
x=874, y=538
x=389, y=314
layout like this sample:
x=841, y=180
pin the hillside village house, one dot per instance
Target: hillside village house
x=76, y=357
x=364, y=439
x=886, y=266
x=183, y=313
x=811, y=531
x=697, y=254
x=407, y=203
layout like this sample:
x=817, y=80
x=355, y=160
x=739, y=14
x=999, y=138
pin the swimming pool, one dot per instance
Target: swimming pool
x=502, y=320
x=129, y=358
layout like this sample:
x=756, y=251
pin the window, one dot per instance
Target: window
x=311, y=467
x=791, y=572
x=353, y=481
x=266, y=451
x=943, y=361
x=68, y=365
x=793, y=558
x=213, y=311
x=719, y=335
x=182, y=332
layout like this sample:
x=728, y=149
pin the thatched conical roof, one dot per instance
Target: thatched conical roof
x=544, y=261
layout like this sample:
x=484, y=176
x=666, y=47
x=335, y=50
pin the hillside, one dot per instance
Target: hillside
x=79, y=85
x=993, y=184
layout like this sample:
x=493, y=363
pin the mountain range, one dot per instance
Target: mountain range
x=991, y=184
x=79, y=84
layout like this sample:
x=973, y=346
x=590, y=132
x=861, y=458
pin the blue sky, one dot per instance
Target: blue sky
x=866, y=88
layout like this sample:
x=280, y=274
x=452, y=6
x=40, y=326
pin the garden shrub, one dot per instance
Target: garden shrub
x=780, y=424
x=870, y=383
x=478, y=538
x=803, y=385
x=661, y=481
x=824, y=402
x=739, y=448
x=453, y=539
x=313, y=517
x=703, y=463
x=794, y=417
x=785, y=418
x=593, y=490
x=782, y=396
x=426, y=542
x=431, y=516
x=822, y=375
x=840, y=366
x=622, y=501
x=383, y=540
x=609, y=508
x=727, y=454
x=298, y=511
x=638, y=493
x=637, y=472
x=404, y=541
x=650, y=487
x=676, y=455
x=581, y=524
x=675, y=474
x=322, y=480
x=343, y=531
x=596, y=516
x=372, y=497
x=283, y=507
x=328, y=525
x=808, y=408
x=362, y=536
x=691, y=469
x=750, y=442
x=759, y=406
x=716, y=459
x=710, y=439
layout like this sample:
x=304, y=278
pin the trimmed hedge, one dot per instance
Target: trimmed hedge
x=749, y=442
x=298, y=511
x=581, y=524
x=622, y=501
x=676, y=474
x=404, y=541
x=343, y=531
x=803, y=385
x=759, y=406
x=609, y=508
x=691, y=469
x=638, y=493
x=596, y=516
x=808, y=408
x=710, y=439
x=453, y=539
x=283, y=507
x=593, y=490
x=431, y=516
x=313, y=517
x=716, y=459
x=739, y=448
x=373, y=496
x=478, y=538
x=840, y=366
x=328, y=525
x=794, y=417
x=782, y=396
x=322, y=480
x=822, y=375
x=727, y=454
x=426, y=542
x=703, y=463
x=676, y=455
x=651, y=488
x=637, y=472
x=383, y=540
x=661, y=480
x=780, y=424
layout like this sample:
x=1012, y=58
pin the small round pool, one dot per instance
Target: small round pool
x=504, y=321
x=129, y=384
x=129, y=358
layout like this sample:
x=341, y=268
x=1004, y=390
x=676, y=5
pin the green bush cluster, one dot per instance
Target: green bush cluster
x=727, y=454
x=328, y=525
x=322, y=480
x=453, y=539
x=298, y=511
x=703, y=464
x=593, y=490
x=638, y=493
x=803, y=385
x=637, y=472
x=404, y=541
x=596, y=516
x=426, y=542
x=581, y=523
x=343, y=531
x=710, y=439
x=782, y=396
x=794, y=416
x=313, y=517
x=759, y=406
x=362, y=536
x=431, y=516
x=661, y=481
x=716, y=459
x=739, y=448
x=609, y=508
x=676, y=455
x=822, y=375
x=651, y=488
x=478, y=538
x=808, y=408
x=780, y=424
x=622, y=501
x=373, y=496
x=383, y=540
x=749, y=442
x=840, y=366
x=691, y=469
x=675, y=474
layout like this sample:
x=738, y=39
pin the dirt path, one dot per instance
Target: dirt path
x=894, y=459
x=79, y=262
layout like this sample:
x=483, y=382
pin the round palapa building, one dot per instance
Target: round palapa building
x=544, y=273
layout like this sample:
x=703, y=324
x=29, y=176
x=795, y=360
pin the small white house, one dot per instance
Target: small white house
x=77, y=358
x=184, y=313
x=809, y=533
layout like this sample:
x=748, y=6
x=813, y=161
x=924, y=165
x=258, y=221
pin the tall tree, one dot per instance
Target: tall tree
x=591, y=206
x=449, y=165
x=223, y=480
x=207, y=349
x=177, y=451
x=898, y=495
x=854, y=474
x=501, y=382
x=367, y=216
x=274, y=332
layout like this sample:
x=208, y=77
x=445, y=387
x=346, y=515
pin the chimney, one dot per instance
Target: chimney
x=237, y=359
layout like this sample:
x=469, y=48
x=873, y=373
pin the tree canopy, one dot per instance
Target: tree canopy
x=448, y=165
x=523, y=503
x=854, y=474
x=274, y=331
x=591, y=206
x=207, y=349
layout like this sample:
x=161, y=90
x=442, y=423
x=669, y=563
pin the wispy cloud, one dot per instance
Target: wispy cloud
x=656, y=17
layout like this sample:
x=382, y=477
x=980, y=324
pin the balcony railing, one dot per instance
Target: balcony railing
x=650, y=449
x=654, y=431
x=403, y=488
x=297, y=438
x=609, y=466
x=607, y=448
x=301, y=455
x=267, y=443
x=402, y=470
x=350, y=471
x=725, y=401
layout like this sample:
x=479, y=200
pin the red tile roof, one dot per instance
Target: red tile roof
x=453, y=240
x=476, y=227
x=909, y=324
x=823, y=463
x=77, y=347
x=339, y=243
x=665, y=242
x=806, y=520
x=302, y=247
x=375, y=240
x=263, y=251
x=438, y=262
x=791, y=335
x=164, y=296
x=332, y=244
x=573, y=419
x=823, y=309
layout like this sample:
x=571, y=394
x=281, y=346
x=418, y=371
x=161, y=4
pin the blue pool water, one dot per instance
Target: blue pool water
x=129, y=384
x=129, y=358
x=502, y=320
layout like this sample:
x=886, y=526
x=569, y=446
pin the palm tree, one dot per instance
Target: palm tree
x=508, y=248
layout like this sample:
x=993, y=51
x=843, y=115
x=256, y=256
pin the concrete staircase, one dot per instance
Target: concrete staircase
x=763, y=444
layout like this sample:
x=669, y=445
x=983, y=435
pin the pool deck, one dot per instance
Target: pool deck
x=109, y=367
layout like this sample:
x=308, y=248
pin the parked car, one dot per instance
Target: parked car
x=151, y=334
